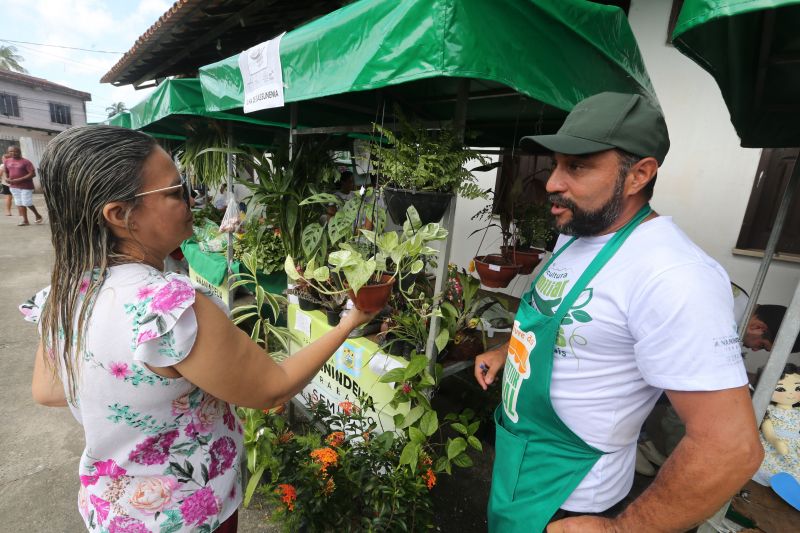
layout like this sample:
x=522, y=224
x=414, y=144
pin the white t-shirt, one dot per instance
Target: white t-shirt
x=658, y=316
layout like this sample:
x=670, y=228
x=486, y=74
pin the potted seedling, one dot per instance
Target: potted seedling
x=425, y=169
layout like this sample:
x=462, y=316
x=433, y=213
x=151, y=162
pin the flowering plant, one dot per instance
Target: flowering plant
x=342, y=474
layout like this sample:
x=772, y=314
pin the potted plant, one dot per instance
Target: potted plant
x=532, y=231
x=369, y=264
x=424, y=169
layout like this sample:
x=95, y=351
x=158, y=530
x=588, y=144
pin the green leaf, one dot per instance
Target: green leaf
x=395, y=375
x=429, y=423
x=581, y=316
x=475, y=443
x=455, y=447
x=412, y=416
x=474, y=427
x=416, y=435
x=461, y=428
x=415, y=366
x=463, y=460
x=252, y=484
x=290, y=269
x=410, y=454
x=442, y=338
x=441, y=464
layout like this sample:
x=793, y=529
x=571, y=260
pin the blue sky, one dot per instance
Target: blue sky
x=110, y=25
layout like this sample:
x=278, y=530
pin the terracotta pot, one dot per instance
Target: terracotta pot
x=527, y=257
x=494, y=270
x=373, y=298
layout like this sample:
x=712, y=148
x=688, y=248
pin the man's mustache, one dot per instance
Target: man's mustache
x=560, y=201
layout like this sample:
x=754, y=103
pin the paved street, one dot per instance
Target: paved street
x=40, y=446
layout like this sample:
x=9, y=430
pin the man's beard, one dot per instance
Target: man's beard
x=589, y=223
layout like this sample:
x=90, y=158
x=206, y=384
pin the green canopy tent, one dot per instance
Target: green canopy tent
x=522, y=63
x=123, y=120
x=752, y=49
x=497, y=73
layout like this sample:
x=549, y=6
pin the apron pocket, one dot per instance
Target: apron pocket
x=510, y=452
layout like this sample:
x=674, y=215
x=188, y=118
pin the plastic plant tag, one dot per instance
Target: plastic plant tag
x=496, y=268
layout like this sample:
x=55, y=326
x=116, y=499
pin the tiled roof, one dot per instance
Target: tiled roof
x=33, y=81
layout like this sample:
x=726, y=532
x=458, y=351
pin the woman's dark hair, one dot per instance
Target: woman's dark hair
x=83, y=169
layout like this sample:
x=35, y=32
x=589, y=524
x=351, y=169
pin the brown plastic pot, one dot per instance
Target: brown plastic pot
x=494, y=270
x=527, y=257
x=373, y=298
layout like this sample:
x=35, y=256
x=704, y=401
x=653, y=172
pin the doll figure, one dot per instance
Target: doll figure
x=780, y=431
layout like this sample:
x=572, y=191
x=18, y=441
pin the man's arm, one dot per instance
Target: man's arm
x=719, y=453
x=31, y=173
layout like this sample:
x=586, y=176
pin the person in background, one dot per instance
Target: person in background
x=148, y=364
x=627, y=308
x=19, y=174
x=4, y=190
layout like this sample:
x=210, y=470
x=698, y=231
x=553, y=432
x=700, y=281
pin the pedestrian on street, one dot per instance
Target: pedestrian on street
x=4, y=190
x=148, y=364
x=626, y=308
x=19, y=174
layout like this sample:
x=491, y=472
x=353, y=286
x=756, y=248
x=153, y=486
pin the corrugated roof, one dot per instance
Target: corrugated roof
x=33, y=81
x=193, y=33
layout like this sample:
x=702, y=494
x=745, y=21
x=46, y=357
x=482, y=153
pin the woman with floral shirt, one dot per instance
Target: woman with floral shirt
x=147, y=364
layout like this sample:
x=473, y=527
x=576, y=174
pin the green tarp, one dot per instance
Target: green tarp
x=346, y=64
x=173, y=105
x=123, y=120
x=752, y=49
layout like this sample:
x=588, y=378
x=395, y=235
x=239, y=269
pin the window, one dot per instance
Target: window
x=773, y=174
x=9, y=106
x=60, y=114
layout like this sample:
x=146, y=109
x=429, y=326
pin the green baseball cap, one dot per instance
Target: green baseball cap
x=609, y=120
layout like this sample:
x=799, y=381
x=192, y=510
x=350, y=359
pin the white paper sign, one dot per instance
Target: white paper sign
x=262, y=75
x=496, y=268
x=302, y=323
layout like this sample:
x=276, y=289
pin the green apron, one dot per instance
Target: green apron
x=539, y=461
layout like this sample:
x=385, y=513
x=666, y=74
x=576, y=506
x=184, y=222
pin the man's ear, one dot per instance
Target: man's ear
x=757, y=326
x=641, y=173
x=114, y=214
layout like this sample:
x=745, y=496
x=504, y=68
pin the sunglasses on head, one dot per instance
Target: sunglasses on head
x=186, y=188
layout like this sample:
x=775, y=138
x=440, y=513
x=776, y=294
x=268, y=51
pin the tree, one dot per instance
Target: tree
x=116, y=108
x=10, y=60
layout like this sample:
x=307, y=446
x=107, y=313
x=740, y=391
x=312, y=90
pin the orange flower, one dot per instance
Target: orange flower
x=325, y=457
x=366, y=436
x=471, y=266
x=430, y=478
x=347, y=407
x=285, y=437
x=288, y=495
x=427, y=461
x=329, y=487
x=335, y=439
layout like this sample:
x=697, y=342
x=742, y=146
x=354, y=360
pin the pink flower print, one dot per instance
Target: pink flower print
x=154, y=450
x=145, y=336
x=223, y=453
x=119, y=370
x=100, y=507
x=153, y=494
x=126, y=524
x=145, y=292
x=171, y=296
x=180, y=406
x=191, y=430
x=84, y=286
x=229, y=420
x=26, y=311
x=199, y=506
x=109, y=468
x=88, y=480
x=208, y=412
x=83, y=502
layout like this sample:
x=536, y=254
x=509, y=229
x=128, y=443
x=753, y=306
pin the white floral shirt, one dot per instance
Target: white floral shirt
x=161, y=455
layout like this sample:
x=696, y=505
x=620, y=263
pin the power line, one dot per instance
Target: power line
x=62, y=46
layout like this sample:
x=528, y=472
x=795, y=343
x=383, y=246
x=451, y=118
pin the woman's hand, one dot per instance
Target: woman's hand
x=355, y=318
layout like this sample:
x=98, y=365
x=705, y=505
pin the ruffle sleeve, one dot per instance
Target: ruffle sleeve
x=164, y=323
x=32, y=309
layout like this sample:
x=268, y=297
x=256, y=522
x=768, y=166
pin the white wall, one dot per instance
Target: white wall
x=706, y=179
x=34, y=108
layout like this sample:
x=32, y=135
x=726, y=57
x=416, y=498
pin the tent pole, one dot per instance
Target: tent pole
x=229, y=252
x=783, y=341
x=459, y=125
x=292, y=128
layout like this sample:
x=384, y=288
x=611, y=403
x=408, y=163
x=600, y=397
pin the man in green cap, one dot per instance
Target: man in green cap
x=627, y=308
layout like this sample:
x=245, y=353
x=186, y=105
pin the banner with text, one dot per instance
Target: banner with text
x=262, y=75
